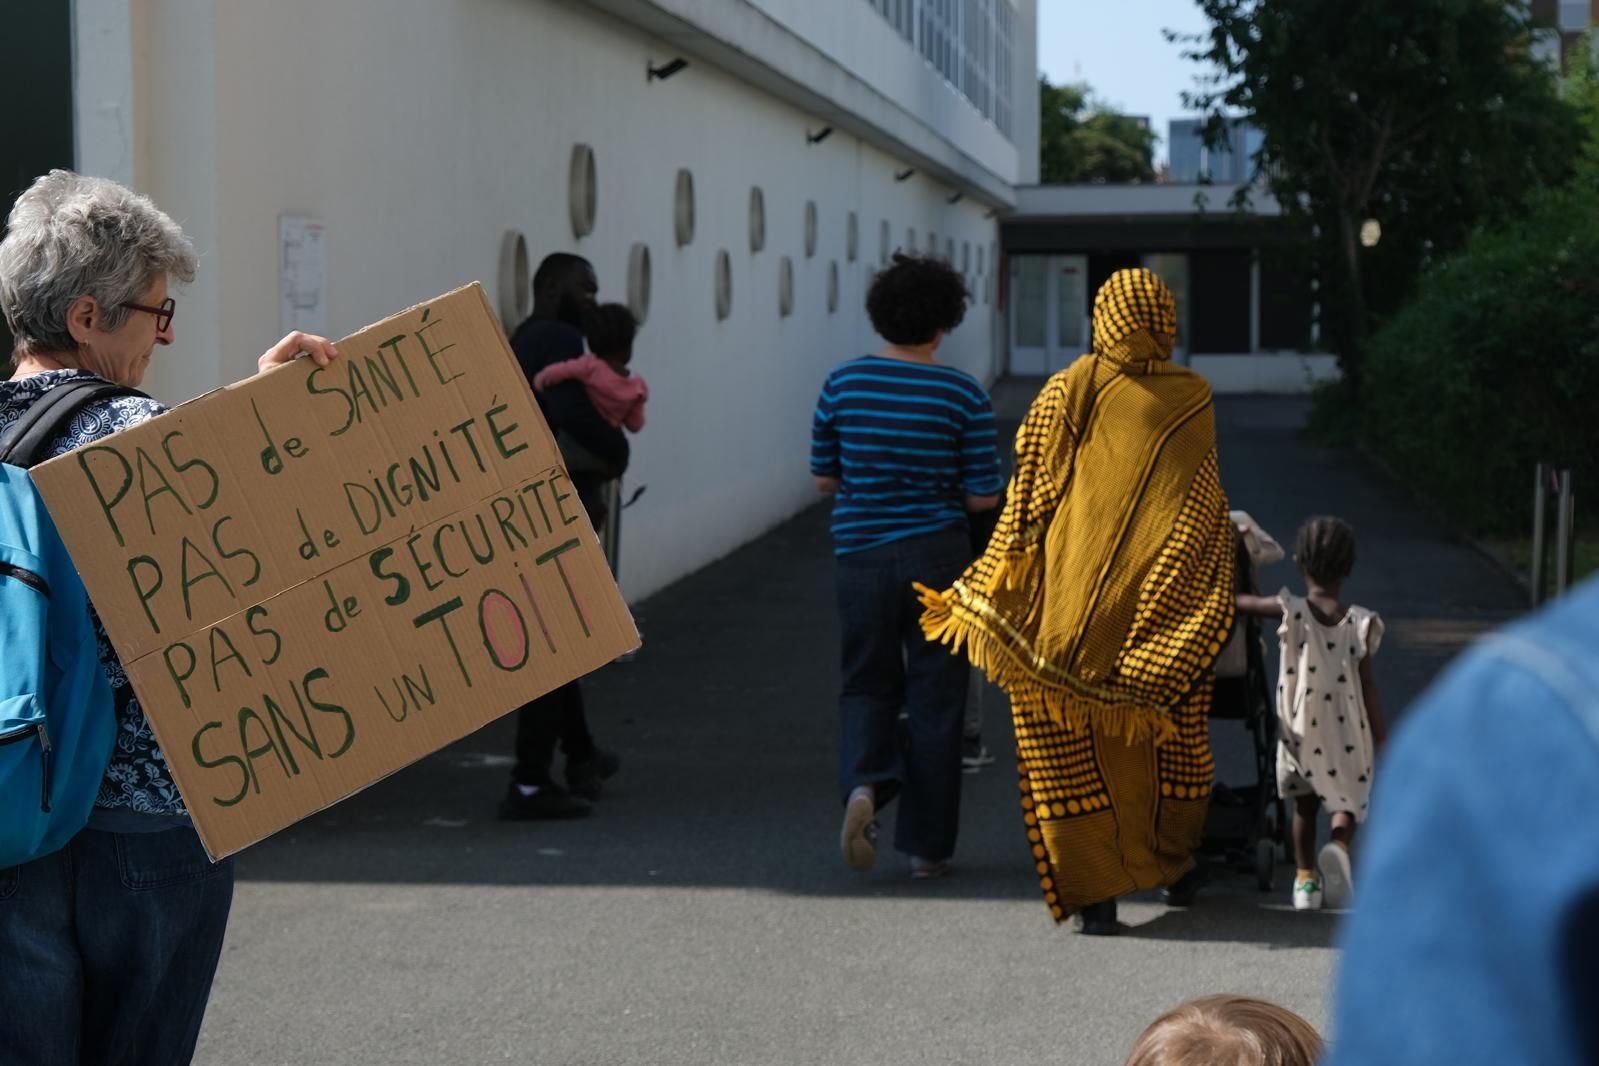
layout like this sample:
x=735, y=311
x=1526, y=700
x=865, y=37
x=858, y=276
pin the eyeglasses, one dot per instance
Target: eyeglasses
x=163, y=314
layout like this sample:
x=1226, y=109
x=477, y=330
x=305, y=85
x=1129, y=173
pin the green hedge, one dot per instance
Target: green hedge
x=1494, y=367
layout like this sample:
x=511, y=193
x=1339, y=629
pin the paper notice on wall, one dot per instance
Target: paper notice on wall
x=302, y=274
x=321, y=574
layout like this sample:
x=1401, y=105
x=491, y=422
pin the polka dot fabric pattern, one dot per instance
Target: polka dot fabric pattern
x=1103, y=600
x=1135, y=317
x=1096, y=833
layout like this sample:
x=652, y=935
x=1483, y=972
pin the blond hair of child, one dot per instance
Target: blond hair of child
x=1228, y=1031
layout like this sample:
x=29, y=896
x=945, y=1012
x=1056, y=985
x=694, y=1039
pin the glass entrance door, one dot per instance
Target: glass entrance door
x=1049, y=312
x=1070, y=273
x=1172, y=268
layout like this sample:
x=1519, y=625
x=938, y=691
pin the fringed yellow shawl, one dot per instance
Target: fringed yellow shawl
x=1106, y=591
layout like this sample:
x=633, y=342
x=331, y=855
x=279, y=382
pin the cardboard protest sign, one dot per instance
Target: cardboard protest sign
x=321, y=574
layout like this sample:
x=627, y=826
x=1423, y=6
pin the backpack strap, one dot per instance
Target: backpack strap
x=25, y=440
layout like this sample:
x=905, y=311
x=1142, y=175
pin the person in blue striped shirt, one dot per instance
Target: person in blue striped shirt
x=907, y=448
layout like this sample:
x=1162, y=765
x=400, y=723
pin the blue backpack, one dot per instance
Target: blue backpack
x=57, y=721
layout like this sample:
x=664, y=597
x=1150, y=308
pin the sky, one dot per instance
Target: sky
x=1117, y=47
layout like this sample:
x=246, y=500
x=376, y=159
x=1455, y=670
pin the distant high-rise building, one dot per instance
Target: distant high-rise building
x=1561, y=24
x=1192, y=160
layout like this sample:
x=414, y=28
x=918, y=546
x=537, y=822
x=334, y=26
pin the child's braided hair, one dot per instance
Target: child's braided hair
x=1326, y=549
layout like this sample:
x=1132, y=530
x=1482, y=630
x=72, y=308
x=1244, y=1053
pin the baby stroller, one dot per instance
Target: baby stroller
x=1248, y=821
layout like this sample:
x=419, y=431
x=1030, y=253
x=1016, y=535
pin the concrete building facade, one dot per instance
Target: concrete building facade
x=1230, y=162
x=741, y=198
x=1245, y=301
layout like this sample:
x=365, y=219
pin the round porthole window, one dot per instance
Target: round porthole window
x=785, y=287
x=638, y=281
x=582, y=190
x=757, y=219
x=852, y=237
x=516, y=295
x=683, y=207
x=724, y=284
x=810, y=228
x=885, y=243
x=832, y=287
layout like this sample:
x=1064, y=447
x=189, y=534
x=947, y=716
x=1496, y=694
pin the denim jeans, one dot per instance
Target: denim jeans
x=107, y=950
x=888, y=665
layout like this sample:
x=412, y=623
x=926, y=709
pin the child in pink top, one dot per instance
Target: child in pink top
x=616, y=393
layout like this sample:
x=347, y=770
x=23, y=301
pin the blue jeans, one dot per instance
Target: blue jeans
x=107, y=949
x=888, y=665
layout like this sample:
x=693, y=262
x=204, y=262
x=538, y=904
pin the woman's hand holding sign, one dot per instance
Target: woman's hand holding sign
x=319, y=350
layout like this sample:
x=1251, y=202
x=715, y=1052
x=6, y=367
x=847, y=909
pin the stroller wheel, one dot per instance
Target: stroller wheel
x=1265, y=864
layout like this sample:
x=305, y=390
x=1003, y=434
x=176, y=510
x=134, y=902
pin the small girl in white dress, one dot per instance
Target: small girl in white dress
x=1329, y=716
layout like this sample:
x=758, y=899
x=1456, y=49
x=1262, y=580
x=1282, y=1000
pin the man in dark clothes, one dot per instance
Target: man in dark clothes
x=564, y=289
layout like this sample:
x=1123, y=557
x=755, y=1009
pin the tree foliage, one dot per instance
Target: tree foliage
x=1082, y=141
x=1494, y=366
x=1429, y=116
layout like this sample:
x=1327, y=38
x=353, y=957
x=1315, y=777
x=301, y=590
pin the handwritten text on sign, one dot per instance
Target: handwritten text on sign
x=319, y=575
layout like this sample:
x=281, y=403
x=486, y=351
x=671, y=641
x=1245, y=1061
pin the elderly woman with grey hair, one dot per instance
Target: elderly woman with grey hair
x=109, y=945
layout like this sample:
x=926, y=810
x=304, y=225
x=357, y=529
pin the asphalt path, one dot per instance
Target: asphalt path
x=702, y=916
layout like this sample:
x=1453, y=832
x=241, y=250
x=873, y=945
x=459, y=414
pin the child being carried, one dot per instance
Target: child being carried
x=617, y=393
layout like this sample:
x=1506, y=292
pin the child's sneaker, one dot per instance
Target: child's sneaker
x=1336, y=875
x=1307, y=895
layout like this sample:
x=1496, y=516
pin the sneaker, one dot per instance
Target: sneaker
x=1338, y=881
x=928, y=869
x=975, y=755
x=1098, y=919
x=547, y=803
x=857, y=841
x=1307, y=895
x=586, y=777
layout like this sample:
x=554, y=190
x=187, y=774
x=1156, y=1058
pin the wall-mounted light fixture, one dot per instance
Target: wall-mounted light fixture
x=957, y=198
x=991, y=212
x=819, y=136
x=666, y=70
x=904, y=175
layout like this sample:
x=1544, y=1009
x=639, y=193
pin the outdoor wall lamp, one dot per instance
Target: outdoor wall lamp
x=904, y=175
x=819, y=136
x=957, y=198
x=666, y=70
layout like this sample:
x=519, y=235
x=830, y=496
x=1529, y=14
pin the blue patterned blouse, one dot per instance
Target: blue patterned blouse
x=137, y=780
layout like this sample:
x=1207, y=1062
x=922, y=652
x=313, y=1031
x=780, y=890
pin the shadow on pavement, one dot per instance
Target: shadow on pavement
x=1231, y=917
x=726, y=724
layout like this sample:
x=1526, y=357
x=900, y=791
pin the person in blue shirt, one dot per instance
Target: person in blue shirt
x=1477, y=921
x=906, y=447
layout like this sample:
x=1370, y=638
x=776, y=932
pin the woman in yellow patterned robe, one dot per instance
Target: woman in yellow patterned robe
x=1104, y=597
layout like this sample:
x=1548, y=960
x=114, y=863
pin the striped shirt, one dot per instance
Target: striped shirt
x=908, y=443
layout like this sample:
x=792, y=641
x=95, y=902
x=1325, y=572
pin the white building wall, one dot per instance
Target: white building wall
x=421, y=131
x=862, y=40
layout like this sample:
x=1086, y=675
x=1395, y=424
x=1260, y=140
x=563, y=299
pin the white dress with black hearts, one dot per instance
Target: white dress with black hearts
x=1325, y=746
